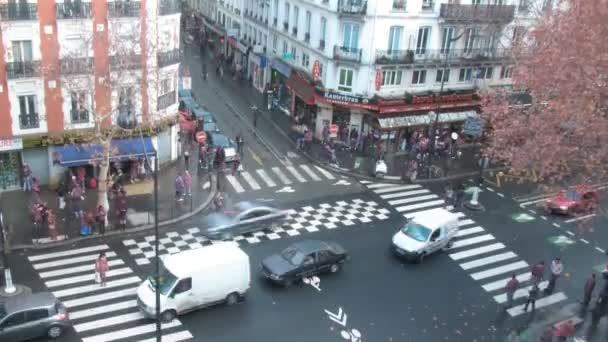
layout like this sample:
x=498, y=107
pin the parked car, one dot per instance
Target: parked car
x=426, y=233
x=197, y=278
x=244, y=217
x=568, y=202
x=205, y=120
x=303, y=259
x=218, y=139
x=32, y=316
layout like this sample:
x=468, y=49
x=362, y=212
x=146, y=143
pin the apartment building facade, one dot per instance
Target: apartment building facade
x=67, y=63
x=391, y=66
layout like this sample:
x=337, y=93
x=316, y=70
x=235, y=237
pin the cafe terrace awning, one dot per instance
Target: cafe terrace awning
x=122, y=149
x=302, y=87
x=424, y=119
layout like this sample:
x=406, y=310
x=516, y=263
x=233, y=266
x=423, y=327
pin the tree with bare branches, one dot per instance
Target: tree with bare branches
x=562, y=62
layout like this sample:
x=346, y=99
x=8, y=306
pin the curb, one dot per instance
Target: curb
x=201, y=207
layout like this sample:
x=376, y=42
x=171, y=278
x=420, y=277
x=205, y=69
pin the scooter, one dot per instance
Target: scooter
x=381, y=169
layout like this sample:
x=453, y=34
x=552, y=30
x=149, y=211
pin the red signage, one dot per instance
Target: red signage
x=379, y=79
x=201, y=137
x=333, y=129
x=316, y=71
x=442, y=98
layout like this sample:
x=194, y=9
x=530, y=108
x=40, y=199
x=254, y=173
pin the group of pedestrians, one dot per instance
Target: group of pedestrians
x=537, y=275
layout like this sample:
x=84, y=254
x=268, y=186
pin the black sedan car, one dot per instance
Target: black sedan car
x=303, y=259
x=244, y=217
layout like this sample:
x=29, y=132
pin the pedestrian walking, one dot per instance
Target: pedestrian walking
x=85, y=223
x=101, y=268
x=556, y=271
x=510, y=288
x=121, y=209
x=187, y=158
x=236, y=164
x=51, y=222
x=188, y=183
x=255, y=116
x=538, y=272
x=239, y=143
x=588, y=291
x=532, y=296
x=448, y=194
x=27, y=177
x=179, y=187
x=77, y=197
x=100, y=219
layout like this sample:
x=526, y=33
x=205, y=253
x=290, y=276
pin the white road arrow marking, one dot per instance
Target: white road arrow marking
x=339, y=318
x=313, y=281
x=341, y=182
x=286, y=189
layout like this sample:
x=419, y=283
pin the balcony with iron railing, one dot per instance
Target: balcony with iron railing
x=344, y=53
x=77, y=66
x=18, y=11
x=421, y=56
x=73, y=10
x=118, y=9
x=166, y=100
x=22, y=69
x=356, y=8
x=166, y=7
x=168, y=58
x=387, y=57
x=454, y=13
x=125, y=62
x=29, y=121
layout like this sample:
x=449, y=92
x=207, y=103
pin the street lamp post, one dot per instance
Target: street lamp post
x=127, y=120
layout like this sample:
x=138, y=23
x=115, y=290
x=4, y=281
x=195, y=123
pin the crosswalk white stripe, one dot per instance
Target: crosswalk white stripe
x=379, y=185
x=500, y=284
x=139, y=330
x=89, y=267
x=88, y=312
x=296, y=174
x=310, y=173
x=472, y=241
x=397, y=188
x=249, y=180
x=86, y=277
x=469, y=231
x=266, y=178
x=426, y=212
x=68, y=261
x=412, y=199
x=488, y=260
x=459, y=214
x=174, y=337
x=405, y=194
x=540, y=303
x=70, y=252
x=113, y=320
x=96, y=287
x=363, y=181
x=465, y=222
x=324, y=172
x=476, y=251
x=281, y=175
x=132, y=291
x=419, y=205
x=236, y=185
x=499, y=270
x=519, y=293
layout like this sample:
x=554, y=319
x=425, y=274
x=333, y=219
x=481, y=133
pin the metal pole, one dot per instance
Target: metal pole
x=157, y=259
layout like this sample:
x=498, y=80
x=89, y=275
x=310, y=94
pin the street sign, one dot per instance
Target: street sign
x=316, y=71
x=201, y=137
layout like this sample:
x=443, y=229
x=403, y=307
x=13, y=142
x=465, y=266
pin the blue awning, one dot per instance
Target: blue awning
x=122, y=149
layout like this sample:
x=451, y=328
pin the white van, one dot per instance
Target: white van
x=428, y=231
x=197, y=278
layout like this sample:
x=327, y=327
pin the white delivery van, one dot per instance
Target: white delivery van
x=197, y=278
x=428, y=231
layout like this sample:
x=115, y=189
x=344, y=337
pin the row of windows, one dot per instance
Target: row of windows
x=394, y=77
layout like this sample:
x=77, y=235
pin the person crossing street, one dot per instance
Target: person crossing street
x=588, y=291
x=532, y=296
x=538, y=272
x=556, y=271
x=510, y=288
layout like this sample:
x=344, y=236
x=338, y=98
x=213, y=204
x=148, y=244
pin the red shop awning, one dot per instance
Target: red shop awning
x=425, y=106
x=301, y=87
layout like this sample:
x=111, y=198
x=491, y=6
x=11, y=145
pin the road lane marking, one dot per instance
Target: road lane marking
x=500, y=194
x=472, y=241
x=250, y=180
x=428, y=212
x=476, y=251
x=405, y=194
x=569, y=233
x=397, y=188
x=521, y=292
x=469, y=231
x=500, y=284
x=419, y=205
x=125, y=333
x=281, y=175
x=255, y=156
x=78, y=269
x=488, y=260
x=86, y=277
x=95, y=287
x=556, y=225
x=63, y=262
x=600, y=250
x=70, y=252
x=540, y=303
x=543, y=217
x=179, y=336
x=266, y=178
x=378, y=185
x=499, y=270
x=74, y=315
x=296, y=174
x=130, y=292
x=412, y=199
x=236, y=185
x=584, y=241
x=324, y=172
x=523, y=204
x=112, y=320
x=579, y=218
x=311, y=174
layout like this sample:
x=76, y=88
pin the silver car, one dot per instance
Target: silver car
x=31, y=316
x=243, y=218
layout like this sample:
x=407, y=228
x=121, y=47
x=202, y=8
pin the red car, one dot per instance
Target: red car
x=568, y=202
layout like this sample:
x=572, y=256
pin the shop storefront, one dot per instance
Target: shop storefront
x=350, y=112
x=216, y=37
x=282, y=95
x=10, y=163
x=304, y=110
x=257, y=69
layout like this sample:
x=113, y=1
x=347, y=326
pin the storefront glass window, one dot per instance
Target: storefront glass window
x=9, y=170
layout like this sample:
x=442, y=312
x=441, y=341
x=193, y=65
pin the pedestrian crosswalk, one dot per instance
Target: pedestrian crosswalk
x=253, y=180
x=100, y=314
x=476, y=251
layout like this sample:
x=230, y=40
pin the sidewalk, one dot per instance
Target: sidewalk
x=140, y=201
x=276, y=123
